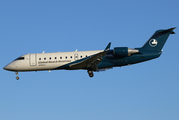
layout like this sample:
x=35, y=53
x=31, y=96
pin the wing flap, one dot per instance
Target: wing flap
x=91, y=62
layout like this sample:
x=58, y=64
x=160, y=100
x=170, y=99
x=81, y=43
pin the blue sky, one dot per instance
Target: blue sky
x=144, y=91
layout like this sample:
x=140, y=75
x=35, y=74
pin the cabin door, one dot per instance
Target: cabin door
x=32, y=59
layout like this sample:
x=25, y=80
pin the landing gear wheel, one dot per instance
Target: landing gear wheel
x=90, y=73
x=17, y=77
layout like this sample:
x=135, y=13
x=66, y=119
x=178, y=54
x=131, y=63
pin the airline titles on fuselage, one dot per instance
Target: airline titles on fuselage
x=42, y=63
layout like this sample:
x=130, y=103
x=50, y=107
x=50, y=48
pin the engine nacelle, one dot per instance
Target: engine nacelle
x=124, y=51
x=120, y=51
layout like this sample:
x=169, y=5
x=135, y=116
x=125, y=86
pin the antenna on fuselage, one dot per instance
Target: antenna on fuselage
x=43, y=52
x=76, y=50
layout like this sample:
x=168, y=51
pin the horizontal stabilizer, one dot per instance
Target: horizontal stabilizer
x=171, y=29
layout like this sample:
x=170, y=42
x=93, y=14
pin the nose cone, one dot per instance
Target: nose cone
x=5, y=68
x=9, y=67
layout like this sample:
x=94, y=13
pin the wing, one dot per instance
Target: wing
x=92, y=62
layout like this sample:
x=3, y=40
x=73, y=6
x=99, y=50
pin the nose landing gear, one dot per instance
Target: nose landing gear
x=90, y=73
x=17, y=77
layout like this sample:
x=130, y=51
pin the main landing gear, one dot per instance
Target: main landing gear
x=17, y=77
x=90, y=73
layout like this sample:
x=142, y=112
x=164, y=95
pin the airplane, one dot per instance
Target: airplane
x=96, y=60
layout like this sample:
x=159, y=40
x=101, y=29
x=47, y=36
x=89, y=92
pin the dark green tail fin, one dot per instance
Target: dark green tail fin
x=158, y=39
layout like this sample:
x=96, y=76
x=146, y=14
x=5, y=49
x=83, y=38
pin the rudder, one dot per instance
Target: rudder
x=158, y=39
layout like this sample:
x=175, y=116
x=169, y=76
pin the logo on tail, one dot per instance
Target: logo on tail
x=153, y=42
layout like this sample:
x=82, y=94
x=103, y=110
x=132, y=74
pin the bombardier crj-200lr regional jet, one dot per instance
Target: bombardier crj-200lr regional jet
x=92, y=60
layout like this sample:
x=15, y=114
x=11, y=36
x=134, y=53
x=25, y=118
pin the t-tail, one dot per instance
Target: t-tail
x=158, y=39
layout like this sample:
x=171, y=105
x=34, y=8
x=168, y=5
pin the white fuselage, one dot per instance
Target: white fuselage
x=47, y=61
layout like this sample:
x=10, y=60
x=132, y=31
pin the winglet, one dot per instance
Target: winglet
x=108, y=47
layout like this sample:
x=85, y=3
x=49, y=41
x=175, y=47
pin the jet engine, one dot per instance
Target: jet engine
x=121, y=52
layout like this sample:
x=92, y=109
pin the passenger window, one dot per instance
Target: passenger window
x=66, y=57
x=81, y=56
x=50, y=58
x=60, y=57
x=71, y=56
x=55, y=57
x=39, y=58
x=44, y=58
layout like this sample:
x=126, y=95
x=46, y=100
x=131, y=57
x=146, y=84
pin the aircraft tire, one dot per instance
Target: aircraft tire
x=90, y=73
x=17, y=78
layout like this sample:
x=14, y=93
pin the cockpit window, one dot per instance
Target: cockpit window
x=20, y=58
